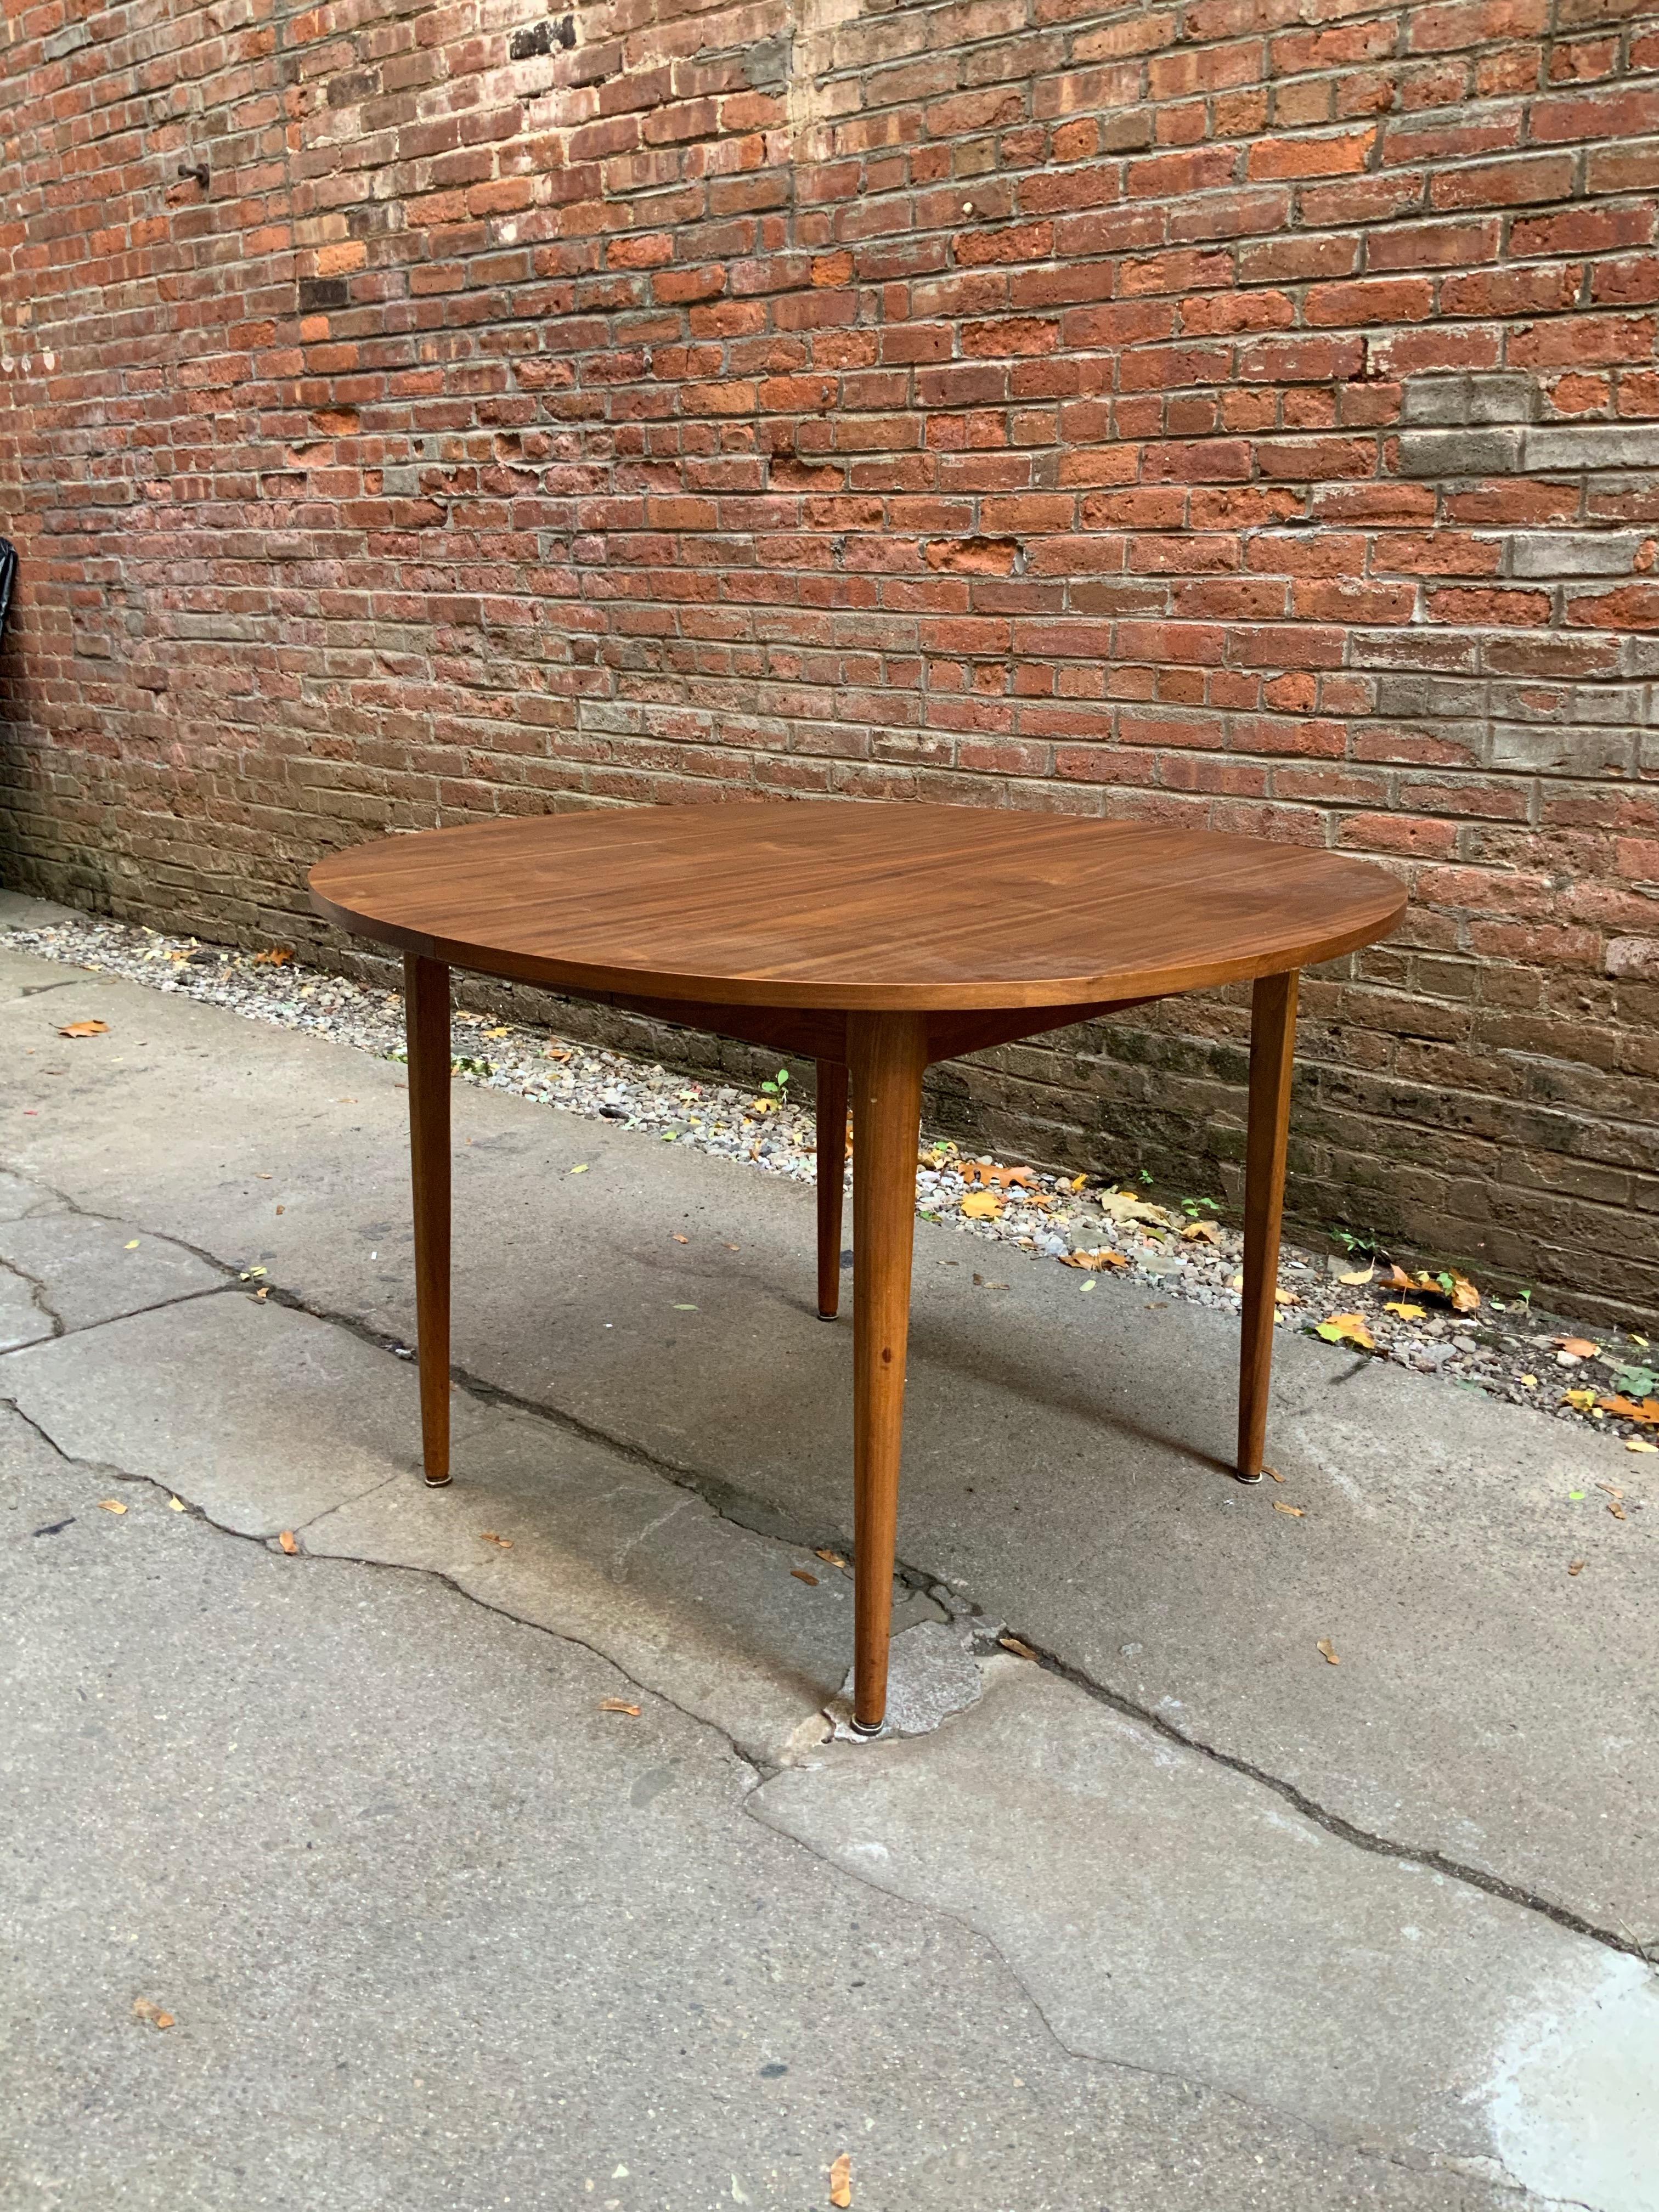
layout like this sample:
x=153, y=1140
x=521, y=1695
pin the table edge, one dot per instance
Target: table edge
x=584, y=980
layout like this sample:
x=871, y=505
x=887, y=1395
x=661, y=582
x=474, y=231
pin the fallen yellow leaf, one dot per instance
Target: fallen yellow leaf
x=981, y=1205
x=1284, y=1297
x=1580, y=1401
x=1328, y=1652
x=289, y=1541
x=1347, y=1329
x=1361, y=1275
x=1639, y=1444
x=841, y=2182
x=112, y=1506
x=84, y=1029
x=177, y=1503
x=131, y=1247
x=618, y=1706
x=1209, y=1230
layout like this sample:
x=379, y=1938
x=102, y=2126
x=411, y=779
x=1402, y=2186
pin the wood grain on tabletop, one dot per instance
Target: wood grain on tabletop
x=882, y=906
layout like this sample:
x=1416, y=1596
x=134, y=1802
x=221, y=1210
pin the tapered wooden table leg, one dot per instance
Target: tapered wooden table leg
x=1272, y=1040
x=426, y=984
x=832, y=1175
x=887, y=1052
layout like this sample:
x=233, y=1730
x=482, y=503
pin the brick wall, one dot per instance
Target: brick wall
x=1242, y=412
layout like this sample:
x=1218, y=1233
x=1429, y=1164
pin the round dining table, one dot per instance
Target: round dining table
x=874, y=939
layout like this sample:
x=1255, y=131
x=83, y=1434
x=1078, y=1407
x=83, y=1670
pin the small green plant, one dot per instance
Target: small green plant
x=466, y=1063
x=1357, y=1244
x=1196, y=1208
x=778, y=1088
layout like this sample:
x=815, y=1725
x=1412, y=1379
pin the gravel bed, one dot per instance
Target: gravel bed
x=1092, y=1225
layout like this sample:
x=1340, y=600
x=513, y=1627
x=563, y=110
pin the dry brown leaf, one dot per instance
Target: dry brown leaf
x=278, y=956
x=1209, y=1230
x=986, y=1171
x=1648, y=1411
x=1124, y=1206
x=85, y=1029
x=144, y=2008
x=1280, y=1506
x=618, y=1706
x=1274, y=1473
x=1020, y=1649
x=1398, y=1280
x=1095, y=1261
x=802, y=1576
x=557, y=1052
x=1284, y=1297
x=289, y=1541
x=833, y=1558
x=1327, y=1652
x=1575, y=1566
x=1580, y=1347
x=681, y=1239
x=1465, y=1298
x=488, y=1536
x=112, y=1506
x=840, y=2181
x=1616, y=1510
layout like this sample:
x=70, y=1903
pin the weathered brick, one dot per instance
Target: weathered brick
x=1459, y=453
x=1474, y=399
x=1232, y=420
x=1555, y=553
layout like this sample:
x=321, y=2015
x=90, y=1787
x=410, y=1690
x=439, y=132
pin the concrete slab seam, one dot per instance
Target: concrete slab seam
x=723, y=1498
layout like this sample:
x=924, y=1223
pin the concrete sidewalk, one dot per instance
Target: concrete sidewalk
x=1186, y=1917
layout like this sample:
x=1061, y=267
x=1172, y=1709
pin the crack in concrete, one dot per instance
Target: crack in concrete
x=38, y=1298
x=629, y=1545
x=757, y=1774
x=731, y=1504
x=107, y=1320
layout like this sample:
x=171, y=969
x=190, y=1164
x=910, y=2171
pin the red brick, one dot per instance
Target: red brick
x=1017, y=425
x=1310, y=156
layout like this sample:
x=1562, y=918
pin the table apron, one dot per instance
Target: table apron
x=814, y=1034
